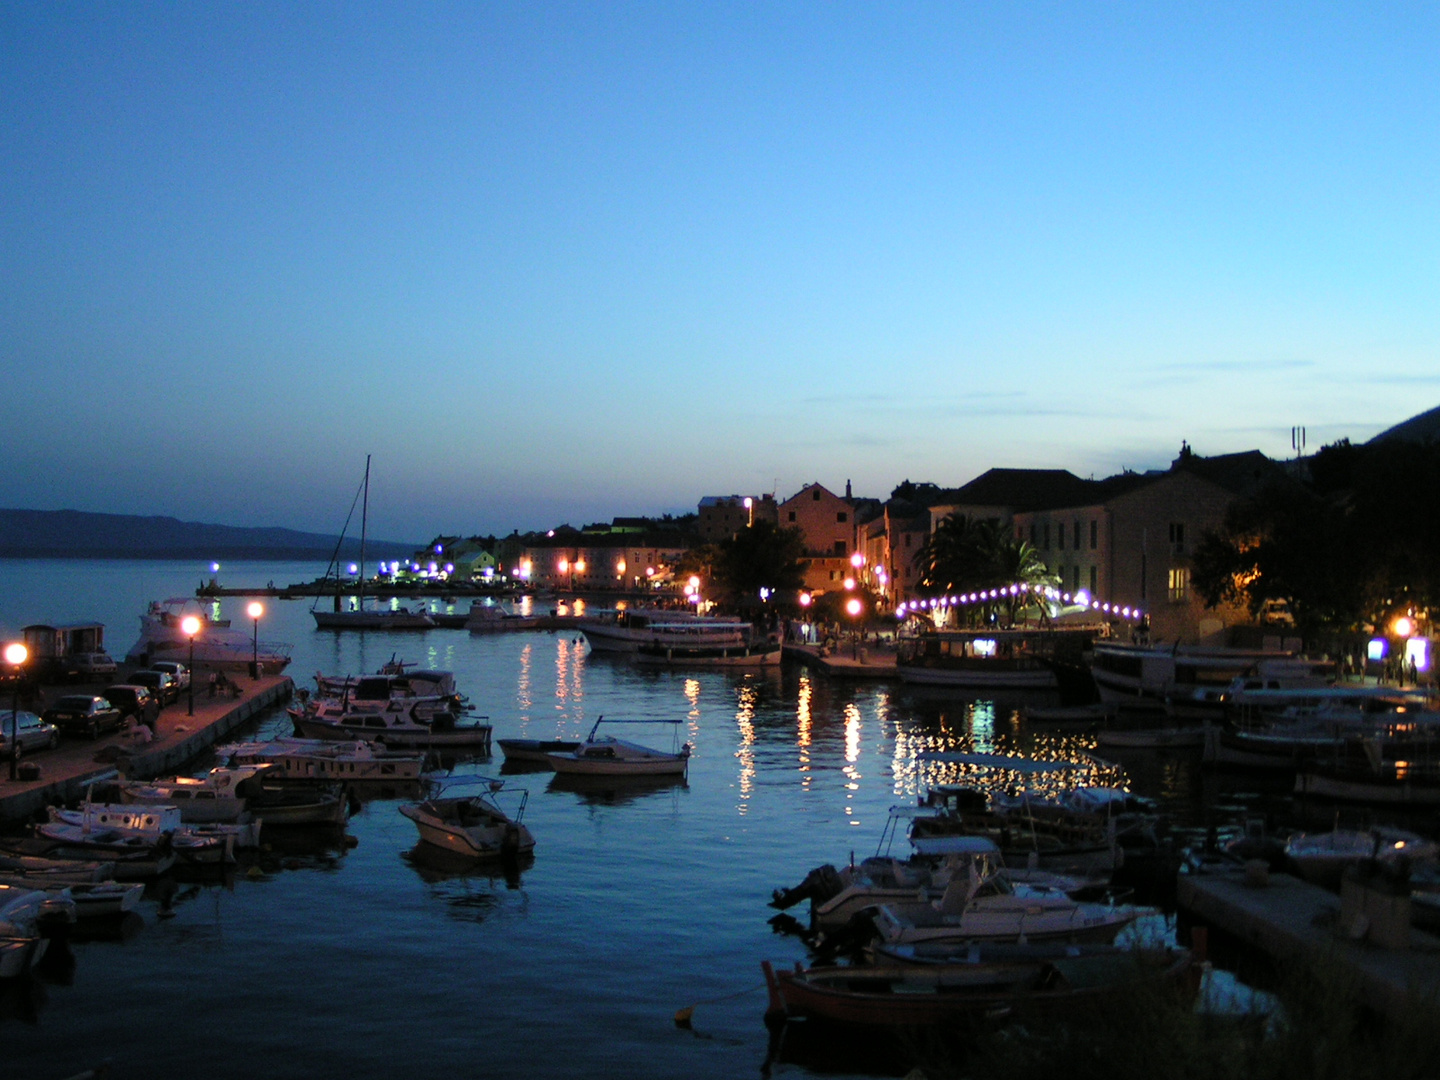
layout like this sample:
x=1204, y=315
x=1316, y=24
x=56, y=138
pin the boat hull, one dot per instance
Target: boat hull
x=570, y=765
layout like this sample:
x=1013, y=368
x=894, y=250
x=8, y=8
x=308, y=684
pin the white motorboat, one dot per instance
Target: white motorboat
x=215, y=646
x=625, y=631
x=1142, y=675
x=218, y=796
x=493, y=619
x=397, y=724
x=1322, y=858
x=351, y=761
x=391, y=682
x=603, y=755
x=982, y=905
x=109, y=826
x=472, y=825
x=92, y=899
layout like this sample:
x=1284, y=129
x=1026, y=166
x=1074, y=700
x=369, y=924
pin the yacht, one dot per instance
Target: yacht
x=216, y=645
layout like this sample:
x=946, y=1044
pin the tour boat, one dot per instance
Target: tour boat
x=472, y=825
x=604, y=755
x=670, y=654
x=625, y=631
x=215, y=644
x=992, y=658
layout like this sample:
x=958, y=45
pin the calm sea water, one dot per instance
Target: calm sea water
x=331, y=960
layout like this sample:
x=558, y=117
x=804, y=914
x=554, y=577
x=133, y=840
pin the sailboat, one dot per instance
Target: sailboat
x=358, y=618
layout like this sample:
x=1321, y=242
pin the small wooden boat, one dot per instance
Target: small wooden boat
x=140, y=862
x=473, y=825
x=911, y=995
x=603, y=755
x=535, y=750
x=92, y=899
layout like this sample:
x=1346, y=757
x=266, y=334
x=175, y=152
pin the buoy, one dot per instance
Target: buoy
x=682, y=1016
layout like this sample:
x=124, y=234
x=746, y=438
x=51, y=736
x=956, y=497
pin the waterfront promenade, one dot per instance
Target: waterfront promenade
x=868, y=662
x=66, y=771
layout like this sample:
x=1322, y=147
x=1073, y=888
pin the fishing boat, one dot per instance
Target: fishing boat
x=988, y=986
x=358, y=617
x=218, y=796
x=535, y=751
x=472, y=825
x=215, y=645
x=119, y=827
x=604, y=755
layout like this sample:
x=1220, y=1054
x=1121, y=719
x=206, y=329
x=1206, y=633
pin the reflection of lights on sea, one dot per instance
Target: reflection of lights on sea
x=522, y=685
x=745, y=721
x=692, y=695
x=852, y=755
x=982, y=726
x=802, y=728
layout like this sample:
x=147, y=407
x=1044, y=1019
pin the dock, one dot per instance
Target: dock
x=870, y=663
x=1291, y=920
x=66, y=771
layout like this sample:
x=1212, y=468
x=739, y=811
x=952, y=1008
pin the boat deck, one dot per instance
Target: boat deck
x=75, y=763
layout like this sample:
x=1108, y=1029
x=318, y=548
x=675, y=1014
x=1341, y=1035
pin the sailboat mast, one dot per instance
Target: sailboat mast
x=364, y=514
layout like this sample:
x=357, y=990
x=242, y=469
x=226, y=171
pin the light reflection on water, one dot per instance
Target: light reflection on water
x=640, y=899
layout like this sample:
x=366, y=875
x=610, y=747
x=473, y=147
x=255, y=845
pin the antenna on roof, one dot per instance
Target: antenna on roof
x=1297, y=441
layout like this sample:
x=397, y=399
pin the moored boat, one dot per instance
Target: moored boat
x=535, y=751
x=604, y=755
x=472, y=825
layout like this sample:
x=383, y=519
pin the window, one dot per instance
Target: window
x=1032, y=534
x=1143, y=573
x=1077, y=578
x=1177, y=535
x=792, y=515
x=1094, y=535
x=907, y=540
x=840, y=547
x=815, y=495
x=840, y=517
x=1076, y=545
x=1094, y=579
x=1179, y=584
x=1059, y=537
x=1047, y=536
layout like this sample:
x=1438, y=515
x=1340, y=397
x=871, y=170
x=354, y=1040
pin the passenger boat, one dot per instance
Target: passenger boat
x=308, y=760
x=603, y=755
x=625, y=631
x=472, y=825
x=536, y=751
x=991, y=658
x=1142, y=675
x=907, y=995
x=215, y=646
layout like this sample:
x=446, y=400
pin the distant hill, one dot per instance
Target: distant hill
x=1422, y=428
x=73, y=534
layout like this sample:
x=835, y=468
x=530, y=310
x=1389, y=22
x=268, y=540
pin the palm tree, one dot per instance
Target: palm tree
x=963, y=555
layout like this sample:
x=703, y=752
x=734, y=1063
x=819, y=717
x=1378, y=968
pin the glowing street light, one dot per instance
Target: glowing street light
x=750, y=510
x=255, y=610
x=1404, y=626
x=853, y=608
x=190, y=626
x=15, y=655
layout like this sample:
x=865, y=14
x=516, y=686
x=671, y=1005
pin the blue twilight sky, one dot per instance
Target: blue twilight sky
x=558, y=262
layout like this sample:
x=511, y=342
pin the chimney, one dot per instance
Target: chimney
x=847, y=490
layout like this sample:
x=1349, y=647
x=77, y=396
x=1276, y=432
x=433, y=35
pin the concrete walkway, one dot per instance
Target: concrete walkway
x=66, y=771
x=1289, y=920
x=872, y=663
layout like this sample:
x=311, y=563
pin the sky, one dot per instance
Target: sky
x=556, y=263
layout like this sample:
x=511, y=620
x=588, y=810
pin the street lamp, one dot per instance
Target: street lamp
x=750, y=510
x=15, y=655
x=853, y=608
x=255, y=610
x=190, y=626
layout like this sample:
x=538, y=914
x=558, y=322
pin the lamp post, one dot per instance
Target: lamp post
x=255, y=610
x=190, y=626
x=15, y=655
x=853, y=607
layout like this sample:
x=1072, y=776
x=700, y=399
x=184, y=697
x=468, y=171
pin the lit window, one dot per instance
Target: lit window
x=1179, y=584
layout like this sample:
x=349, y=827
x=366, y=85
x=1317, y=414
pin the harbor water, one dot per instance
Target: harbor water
x=327, y=959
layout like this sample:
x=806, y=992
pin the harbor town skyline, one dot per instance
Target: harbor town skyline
x=555, y=263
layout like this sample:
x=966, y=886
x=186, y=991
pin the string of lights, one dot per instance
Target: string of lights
x=1081, y=598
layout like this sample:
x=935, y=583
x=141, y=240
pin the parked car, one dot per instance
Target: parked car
x=165, y=688
x=94, y=665
x=32, y=734
x=87, y=714
x=177, y=671
x=137, y=701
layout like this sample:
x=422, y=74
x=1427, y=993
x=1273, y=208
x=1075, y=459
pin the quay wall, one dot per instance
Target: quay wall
x=67, y=772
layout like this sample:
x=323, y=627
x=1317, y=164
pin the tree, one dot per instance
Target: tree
x=963, y=555
x=761, y=556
